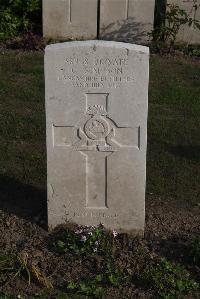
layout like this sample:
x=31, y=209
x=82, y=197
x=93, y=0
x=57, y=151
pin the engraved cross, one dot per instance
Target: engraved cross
x=98, y=137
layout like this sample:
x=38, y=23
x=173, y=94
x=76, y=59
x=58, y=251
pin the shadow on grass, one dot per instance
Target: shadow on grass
x=189, y=152
x=178, y=249
x=23, y=200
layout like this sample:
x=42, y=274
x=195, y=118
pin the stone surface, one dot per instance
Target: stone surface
x=96, y=117
x=70, y=19
x=126, y=20
x=188, y=34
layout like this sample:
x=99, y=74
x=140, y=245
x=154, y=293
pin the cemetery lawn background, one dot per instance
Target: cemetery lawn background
x=134, y=268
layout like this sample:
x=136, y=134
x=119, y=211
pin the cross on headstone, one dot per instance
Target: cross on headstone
x=97, y=134
x=70, y=11
x=127, y=8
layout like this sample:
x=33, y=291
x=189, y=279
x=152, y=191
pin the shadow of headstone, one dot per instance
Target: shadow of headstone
x=188, y=152
x=23, y=200
x=129, y=31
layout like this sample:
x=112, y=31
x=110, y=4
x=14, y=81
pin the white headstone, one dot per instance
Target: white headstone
x=96, y=117
x=70, y=19
x=126, y=20
x=188, y=34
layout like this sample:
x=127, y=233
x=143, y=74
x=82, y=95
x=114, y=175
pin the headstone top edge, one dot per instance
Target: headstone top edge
x=92, y=43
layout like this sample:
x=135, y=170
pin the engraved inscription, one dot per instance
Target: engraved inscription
x=91, y=72
x=98, y=137
x=93, y=215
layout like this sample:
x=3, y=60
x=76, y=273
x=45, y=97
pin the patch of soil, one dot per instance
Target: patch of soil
x=170, y=229
x=25, y=41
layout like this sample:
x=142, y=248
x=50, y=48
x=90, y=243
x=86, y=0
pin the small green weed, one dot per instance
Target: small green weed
x=62, y=295
x=88, y=288
x=195, y=251
x=5, y=263
x=5, y=296
x=141, y=251
x=168, y=280
x=97, y=286
x=196, y=52
x=114, y=275
x=85, y=240
x=191, y=50
x=7, y=268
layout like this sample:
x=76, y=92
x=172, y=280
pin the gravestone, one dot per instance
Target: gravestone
x=96, y=120
x=188, y=34
x=126, y=20
x=70, y=19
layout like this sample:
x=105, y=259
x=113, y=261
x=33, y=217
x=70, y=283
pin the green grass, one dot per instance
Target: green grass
x=22, y=133
x=173, y=129
x=22, y=121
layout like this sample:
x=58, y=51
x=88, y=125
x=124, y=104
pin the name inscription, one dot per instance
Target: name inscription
x=91, y=72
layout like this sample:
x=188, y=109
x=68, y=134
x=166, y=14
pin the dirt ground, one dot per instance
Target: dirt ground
x=169, y=232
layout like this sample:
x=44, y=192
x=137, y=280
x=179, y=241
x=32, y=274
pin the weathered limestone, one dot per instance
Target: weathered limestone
x=70, y=19
x=126, y=20
x=190, y=35
x=96, y=117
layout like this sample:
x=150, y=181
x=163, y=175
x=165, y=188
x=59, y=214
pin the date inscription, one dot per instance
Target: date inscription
x=91, y=72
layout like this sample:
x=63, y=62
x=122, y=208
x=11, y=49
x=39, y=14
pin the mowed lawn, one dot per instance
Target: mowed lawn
x=173, y=158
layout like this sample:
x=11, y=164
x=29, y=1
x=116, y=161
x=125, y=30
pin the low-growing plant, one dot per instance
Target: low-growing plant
x=85, y=240
x=167, y=280
x=7, y=268
x=5, y=296
x=89, y=287
x=62, y=295
x=193, y=50
x=195, y=251
x=190, y=50
x=196, y=52
x=115, y=275
x=141, y=251
x=96, y=287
